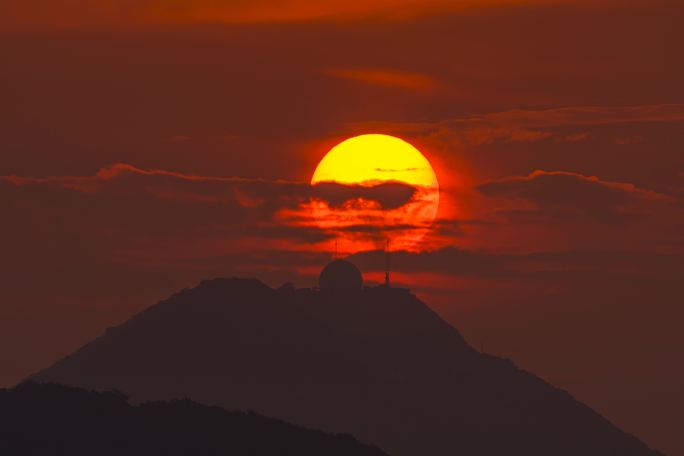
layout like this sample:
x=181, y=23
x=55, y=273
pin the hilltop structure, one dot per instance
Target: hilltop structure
x=340, y=276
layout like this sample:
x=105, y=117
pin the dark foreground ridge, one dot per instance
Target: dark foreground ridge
x=48, y=419
x=376, y=363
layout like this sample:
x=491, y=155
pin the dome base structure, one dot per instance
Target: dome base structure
x=340, y=276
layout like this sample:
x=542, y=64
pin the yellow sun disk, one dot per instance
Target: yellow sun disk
x=375, y=158
x=372, y=160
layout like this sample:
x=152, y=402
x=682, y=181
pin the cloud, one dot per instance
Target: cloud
x=390, y=195
x=564, y=266
x=562, y=193
x=85, y=13
x=448, y=260
x=577, y=137
x=248, y=193
x=635, y=139
x=529, y=135
x=405, y=80
x=588, y=115
x=80, y=235
x=521, y=125
x=138, y=215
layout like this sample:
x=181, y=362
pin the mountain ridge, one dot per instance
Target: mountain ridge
x=378, y=364
x=50, y=419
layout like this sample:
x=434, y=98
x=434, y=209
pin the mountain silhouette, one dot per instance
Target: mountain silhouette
x=376, y=363
x=48, y=419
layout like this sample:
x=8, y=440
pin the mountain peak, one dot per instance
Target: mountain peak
x=377, y=363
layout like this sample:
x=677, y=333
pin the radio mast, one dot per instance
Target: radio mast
x=387, y=263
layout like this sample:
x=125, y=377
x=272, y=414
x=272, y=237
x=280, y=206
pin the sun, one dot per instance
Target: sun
x=372, y=160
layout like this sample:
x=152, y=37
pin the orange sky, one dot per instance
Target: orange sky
x=146, y=147
x=86, y=13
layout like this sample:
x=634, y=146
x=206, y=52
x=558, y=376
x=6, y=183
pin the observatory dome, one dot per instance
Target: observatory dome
x=340, y=276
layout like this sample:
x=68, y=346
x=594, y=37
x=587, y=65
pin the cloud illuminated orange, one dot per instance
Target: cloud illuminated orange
x=389, y=78
x=17, y=14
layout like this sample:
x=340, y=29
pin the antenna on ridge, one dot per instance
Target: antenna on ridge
x=387, y=264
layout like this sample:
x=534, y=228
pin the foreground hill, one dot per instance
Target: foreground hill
x=48, y=419
x=376, y=363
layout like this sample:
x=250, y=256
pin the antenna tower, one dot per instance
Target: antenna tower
x=387, y=263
